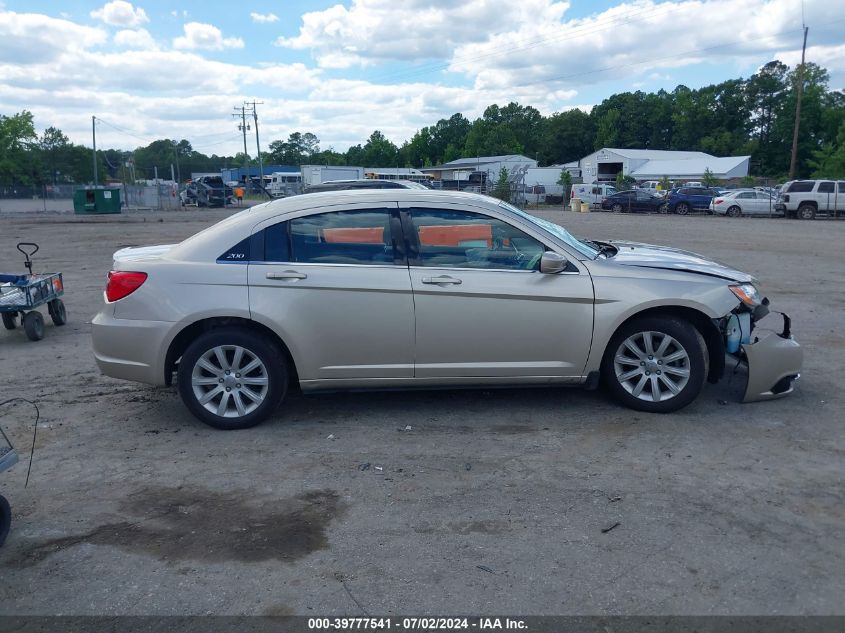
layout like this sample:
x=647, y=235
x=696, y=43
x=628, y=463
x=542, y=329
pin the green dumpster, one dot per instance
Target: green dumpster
x=87, y=201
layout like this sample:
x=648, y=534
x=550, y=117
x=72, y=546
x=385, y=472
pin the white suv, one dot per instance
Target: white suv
x=804, y=199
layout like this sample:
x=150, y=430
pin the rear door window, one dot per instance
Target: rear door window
x=826, y=187
x=360, y=237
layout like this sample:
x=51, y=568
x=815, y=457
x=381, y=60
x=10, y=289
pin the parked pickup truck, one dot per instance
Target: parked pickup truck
x=804, y=199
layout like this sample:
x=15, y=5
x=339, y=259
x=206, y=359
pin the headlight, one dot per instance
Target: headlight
x=747, y=293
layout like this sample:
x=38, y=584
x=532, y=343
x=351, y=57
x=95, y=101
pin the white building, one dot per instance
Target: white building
x=462, y=169
x=651, y=164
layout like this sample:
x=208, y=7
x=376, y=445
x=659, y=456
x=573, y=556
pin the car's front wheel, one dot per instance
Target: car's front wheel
x=655, y=364
x=617, y=208
x=232, y=378
x=682, y=208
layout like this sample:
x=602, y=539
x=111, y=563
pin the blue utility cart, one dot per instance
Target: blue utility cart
x=20, y=295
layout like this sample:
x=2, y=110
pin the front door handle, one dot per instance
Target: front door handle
x=287, y=275
x=444, y=280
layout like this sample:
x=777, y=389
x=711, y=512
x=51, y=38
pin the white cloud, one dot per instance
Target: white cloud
x=831, y=57
x=499, y=43
x=263, y=18
x=198, y=35
x=32, y=38
x=139, y=38
x=120, y=13
x=375, y=30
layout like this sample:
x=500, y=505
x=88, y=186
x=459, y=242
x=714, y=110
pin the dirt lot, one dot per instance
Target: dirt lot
x=493, y=502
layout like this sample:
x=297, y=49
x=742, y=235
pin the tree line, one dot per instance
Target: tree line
x=753, y=116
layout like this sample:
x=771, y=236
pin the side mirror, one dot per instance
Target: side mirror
x=551, y=263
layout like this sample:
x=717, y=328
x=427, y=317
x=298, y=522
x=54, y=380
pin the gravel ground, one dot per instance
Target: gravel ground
x=492, y=502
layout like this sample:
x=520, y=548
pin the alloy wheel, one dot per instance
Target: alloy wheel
x=230, y=381
x=652, y=366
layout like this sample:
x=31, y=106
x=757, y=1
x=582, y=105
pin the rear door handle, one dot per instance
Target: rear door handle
x=444, y=280
x=287, y=275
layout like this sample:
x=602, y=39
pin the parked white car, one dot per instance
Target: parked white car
x=744, y=202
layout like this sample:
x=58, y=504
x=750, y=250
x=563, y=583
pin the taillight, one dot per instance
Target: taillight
x=718, y=201
x=123, y=283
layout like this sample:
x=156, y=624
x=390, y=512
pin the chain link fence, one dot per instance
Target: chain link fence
x=59, y=197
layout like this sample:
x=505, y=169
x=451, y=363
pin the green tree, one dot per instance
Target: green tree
x=708, y=179
x=829, y=160
x=625, y=182
x=17, y=140
x=379, y=151
x=567, y=136
x=665, y=183
x=565, y=180
x=502, y=189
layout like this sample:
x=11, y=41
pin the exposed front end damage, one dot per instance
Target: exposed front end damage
x=773, y=359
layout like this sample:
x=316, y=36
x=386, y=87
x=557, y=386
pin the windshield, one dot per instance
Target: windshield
x=555, y=229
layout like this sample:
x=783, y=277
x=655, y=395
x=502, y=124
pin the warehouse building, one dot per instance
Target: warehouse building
x=480, y=171
x=649, y=164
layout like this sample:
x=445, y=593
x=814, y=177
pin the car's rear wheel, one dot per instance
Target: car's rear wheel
x=655, y=364
x=617, y=208
x=806, y=212
x=232, y=378
x=734, y=212
x=682, y=208
x=663, y=208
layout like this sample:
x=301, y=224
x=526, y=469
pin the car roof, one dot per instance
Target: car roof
x=240, y=225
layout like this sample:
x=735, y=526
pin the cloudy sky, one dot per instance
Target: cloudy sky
x=151, y=69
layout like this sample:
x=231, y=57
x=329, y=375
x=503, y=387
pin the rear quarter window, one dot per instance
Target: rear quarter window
x=801, y=186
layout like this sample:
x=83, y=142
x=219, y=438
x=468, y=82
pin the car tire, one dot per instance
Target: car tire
x=10, y=320
x=806, y=212
x=238, y=402
x=734, y=212
x=58, y=312
x=33, y=325
x=682, y=208
x=5, y=519
x=616, y=208
x=678, y=371
x=663, y=208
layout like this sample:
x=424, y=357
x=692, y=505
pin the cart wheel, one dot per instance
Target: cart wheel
x=33, y=324
x=10, y=320
x=5, y=519
x=57, y=311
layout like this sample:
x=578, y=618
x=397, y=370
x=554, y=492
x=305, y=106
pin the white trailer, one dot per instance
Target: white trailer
x=546, y=177
x=316, y=174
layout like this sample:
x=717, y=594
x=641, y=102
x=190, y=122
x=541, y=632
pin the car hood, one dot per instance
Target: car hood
x=667, y=258
x=135, y=253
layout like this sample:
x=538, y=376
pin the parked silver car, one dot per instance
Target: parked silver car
x=411, y=288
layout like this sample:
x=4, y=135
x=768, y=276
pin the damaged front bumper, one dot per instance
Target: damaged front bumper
x=774, y=362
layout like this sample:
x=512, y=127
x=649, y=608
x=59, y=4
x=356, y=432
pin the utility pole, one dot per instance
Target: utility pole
x=94, y=138
x=257, y=143
x=176, y=154
x=243, y=126
x=798, y=109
